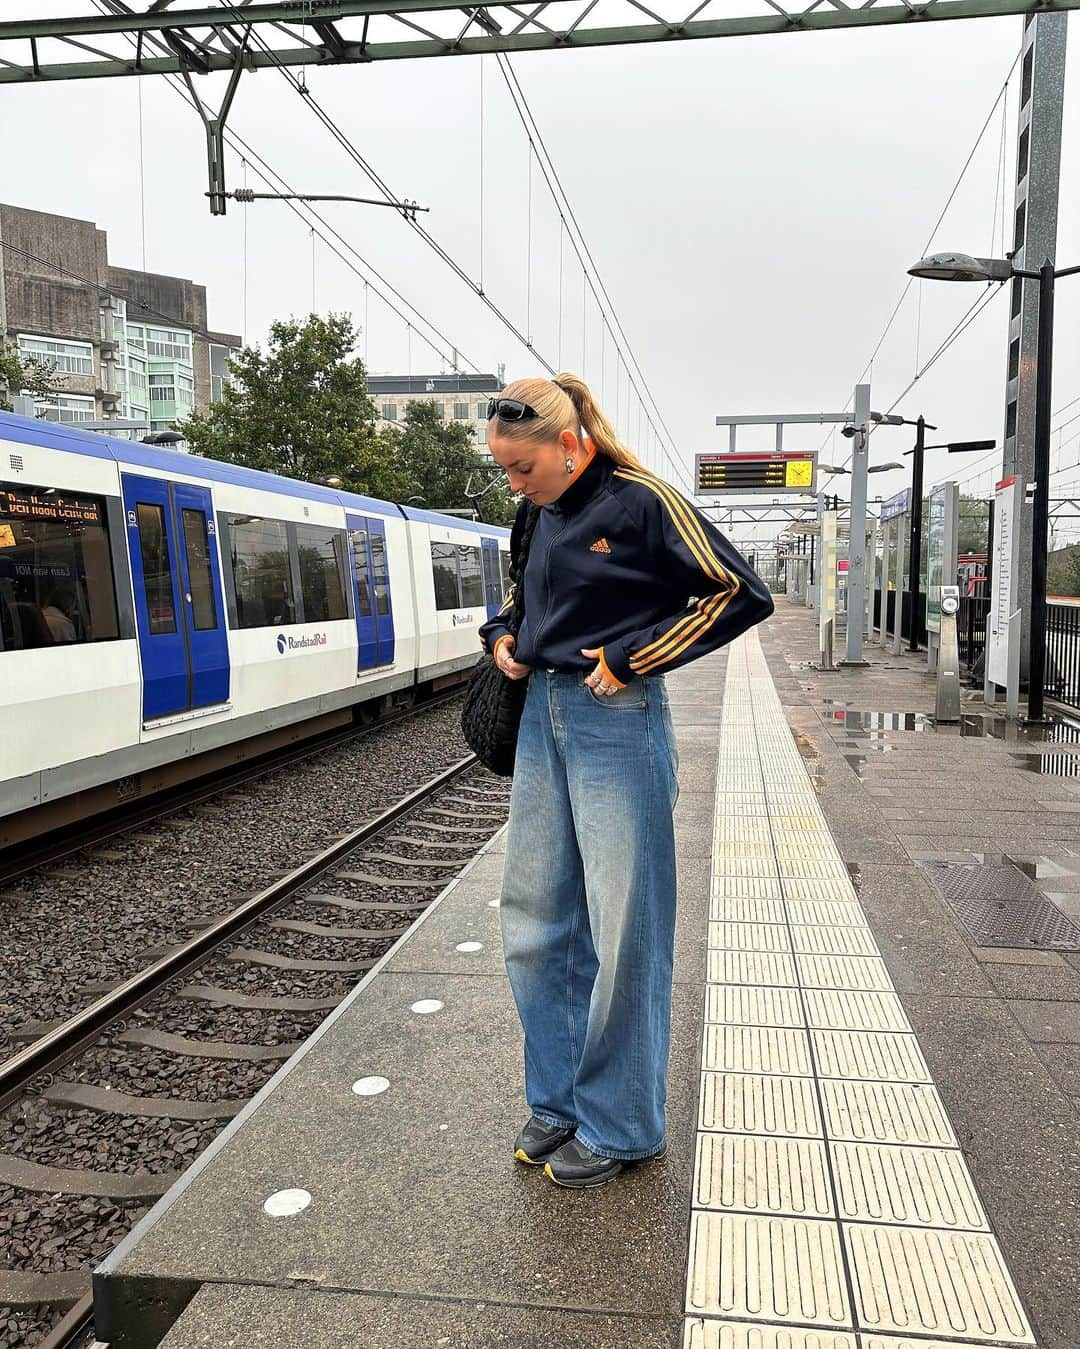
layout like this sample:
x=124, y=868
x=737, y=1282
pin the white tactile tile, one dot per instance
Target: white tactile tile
x=837, y=889
x=756, y=1049
x=825, y=870
x=723, y=909
x=833, y=941
x=924, y=1281
x=906, y=1342
x=886, y=1112
x=767, y=1269
x=878, y=1056
x=749, y=937
x=752, y=1174
x=923, y=1187
x=856, y=972
x=699, y=1333
x=742, y=887
x=751, y=967
x=825, y=912
x=753, y=1103
x=749, y=1005
x=843, y=1009
x=805, y=846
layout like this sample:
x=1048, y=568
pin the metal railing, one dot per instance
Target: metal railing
x=1062, y=680
x=971, y=627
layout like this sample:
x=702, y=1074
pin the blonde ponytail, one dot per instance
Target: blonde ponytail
x=565, y=403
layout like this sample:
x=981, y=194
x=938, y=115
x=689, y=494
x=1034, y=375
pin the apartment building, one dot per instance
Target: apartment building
x=457, y=397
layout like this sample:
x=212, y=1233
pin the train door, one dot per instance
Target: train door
x=371, y=591
x=183, y=646
x=493, y=586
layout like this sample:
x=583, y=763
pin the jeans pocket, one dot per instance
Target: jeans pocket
x=633, y=695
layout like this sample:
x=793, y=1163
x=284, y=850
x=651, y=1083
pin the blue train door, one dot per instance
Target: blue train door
x=493, y=581
x=371, y=591
x=183, y=647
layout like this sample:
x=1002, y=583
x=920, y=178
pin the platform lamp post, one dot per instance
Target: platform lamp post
x=963, y=267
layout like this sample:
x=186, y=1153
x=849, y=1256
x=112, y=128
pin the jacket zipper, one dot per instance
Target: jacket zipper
x=547, y=588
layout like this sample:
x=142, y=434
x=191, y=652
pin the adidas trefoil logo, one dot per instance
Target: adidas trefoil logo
x=600, y=546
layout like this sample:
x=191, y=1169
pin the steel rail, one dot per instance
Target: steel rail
x=54, y=1049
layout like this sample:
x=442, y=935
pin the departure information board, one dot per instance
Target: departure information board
x=739, y=473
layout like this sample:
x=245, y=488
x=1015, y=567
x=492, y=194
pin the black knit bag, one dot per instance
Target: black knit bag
x=494, y=702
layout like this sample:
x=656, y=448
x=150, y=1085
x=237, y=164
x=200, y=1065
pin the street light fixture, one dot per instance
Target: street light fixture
x=962, y=267
x=874, y=468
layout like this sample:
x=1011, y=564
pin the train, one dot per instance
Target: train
x=161, y=613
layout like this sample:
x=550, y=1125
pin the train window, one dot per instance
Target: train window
x=56, y=576
x=472, y=577
x=320, y=574
x=197, y=548
x=262, y=576
x=378, y=562
x=360, y=566
x=157, y=573
x=504, y=563
x=444, y=570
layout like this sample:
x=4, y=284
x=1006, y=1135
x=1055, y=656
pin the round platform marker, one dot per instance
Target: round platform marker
x=469, y=946
x=493, y=903
x=426, y=1006
x=285, y=1203
x=370, y=1086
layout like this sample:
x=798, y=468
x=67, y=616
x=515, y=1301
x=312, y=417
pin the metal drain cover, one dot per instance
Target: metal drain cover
x=1000, y=906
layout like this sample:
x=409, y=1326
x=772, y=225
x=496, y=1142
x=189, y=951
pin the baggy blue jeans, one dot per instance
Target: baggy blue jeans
x=588, y=907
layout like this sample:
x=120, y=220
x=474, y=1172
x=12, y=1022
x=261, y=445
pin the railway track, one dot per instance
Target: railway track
x=88, y=1140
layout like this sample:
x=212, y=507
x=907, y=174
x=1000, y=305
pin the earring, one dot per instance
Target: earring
x=569, y=464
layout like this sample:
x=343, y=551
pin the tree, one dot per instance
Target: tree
x=1063, y=572
x=37, y=378
x=440, y=458
x=302, y=409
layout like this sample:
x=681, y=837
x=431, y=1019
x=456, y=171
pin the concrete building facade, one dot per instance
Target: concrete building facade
x=123, y=344
x=458, y=398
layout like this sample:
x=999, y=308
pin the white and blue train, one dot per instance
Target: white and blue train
x=156, y=607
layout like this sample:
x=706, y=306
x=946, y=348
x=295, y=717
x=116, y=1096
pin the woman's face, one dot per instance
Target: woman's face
x=536, y=468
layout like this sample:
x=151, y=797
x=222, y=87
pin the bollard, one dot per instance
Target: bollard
x=947, y=698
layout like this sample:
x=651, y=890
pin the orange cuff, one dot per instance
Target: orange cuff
x=607, y=673
x=498, y=641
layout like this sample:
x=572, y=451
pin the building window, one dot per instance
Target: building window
x=162, y=389
x=389, y=412
x=322, y=579
x=481, y=412
x=65, y=407
x=258, y=551
x=56, y=576
x=136, y=336
x=71, y=358
x=170, y=343
x=136, y=367
x=444, y=572
x=461, y=412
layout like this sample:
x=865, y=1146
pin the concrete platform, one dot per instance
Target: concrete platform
x=815, y=1194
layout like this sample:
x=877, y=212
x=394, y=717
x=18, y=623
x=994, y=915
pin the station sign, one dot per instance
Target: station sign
x=895, y=506
x=745, y=473
x=1003, y=603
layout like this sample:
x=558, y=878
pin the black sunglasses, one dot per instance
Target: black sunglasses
x=510, y=410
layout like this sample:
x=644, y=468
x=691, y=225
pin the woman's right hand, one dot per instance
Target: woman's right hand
x=504, y=659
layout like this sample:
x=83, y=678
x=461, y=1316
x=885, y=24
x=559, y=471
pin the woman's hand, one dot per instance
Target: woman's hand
x=598, y=680
x=504, y=659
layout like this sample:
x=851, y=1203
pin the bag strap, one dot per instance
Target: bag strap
x=517, y=610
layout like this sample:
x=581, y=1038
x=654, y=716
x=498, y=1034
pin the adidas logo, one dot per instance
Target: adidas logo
x=600, y=546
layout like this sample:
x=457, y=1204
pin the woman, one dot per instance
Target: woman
x=588, y=898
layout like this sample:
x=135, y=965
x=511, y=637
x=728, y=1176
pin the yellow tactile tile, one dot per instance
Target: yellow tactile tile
x=924, y=1281
x=879, y=1056
x=856, y=972
x=756, y=1049
x=845, y=1009
x=833, y=941
x=748, y=1005
x=886, y=1112
x=924, y=1187
x=751, y=967
x=742, y=887
x=825, y=912
x=839, y=888
x=767, y=1269
x=754, y=1103
x=816, y=846
x=797, y=869
x=749, y=937
x=906, y=1342
x=751, y=1174
x=723, y=909
x=699, y=1333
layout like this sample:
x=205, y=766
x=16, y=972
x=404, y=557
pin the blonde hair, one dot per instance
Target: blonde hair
x=564, y=404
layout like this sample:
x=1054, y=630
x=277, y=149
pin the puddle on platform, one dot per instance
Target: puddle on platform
x=1061, y=732
x=1038, y=868
x=874, y=726
x=881, y=721
x=1050, y=765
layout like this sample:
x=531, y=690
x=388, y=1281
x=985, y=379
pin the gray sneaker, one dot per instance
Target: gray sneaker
x=538, y=1140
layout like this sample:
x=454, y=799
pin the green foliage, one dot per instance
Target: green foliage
x=302, y=409
x=440, y=458
x=31, y=376
x=1063, y=572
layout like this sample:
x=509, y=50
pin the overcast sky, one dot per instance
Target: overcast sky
x=752, y=205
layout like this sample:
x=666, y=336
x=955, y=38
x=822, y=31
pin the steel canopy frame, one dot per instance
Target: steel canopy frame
x=206, y=38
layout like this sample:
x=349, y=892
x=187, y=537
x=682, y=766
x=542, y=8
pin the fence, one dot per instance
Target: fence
x=1062, y=680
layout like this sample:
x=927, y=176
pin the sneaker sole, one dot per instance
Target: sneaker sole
x=522, y=1156
x=605, y=1179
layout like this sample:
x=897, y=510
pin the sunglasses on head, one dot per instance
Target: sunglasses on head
x=510, y=410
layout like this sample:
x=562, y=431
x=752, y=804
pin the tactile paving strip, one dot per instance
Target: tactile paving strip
x=827, y=1173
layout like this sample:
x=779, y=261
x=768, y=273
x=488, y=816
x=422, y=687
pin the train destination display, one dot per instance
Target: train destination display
x=739, y=473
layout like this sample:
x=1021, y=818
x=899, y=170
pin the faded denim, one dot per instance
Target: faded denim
x=588, y=907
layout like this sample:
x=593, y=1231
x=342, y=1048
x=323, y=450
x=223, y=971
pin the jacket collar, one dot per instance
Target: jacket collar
x=590, y=476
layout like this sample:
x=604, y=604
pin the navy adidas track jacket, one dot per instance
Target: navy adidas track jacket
x=622, y=562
